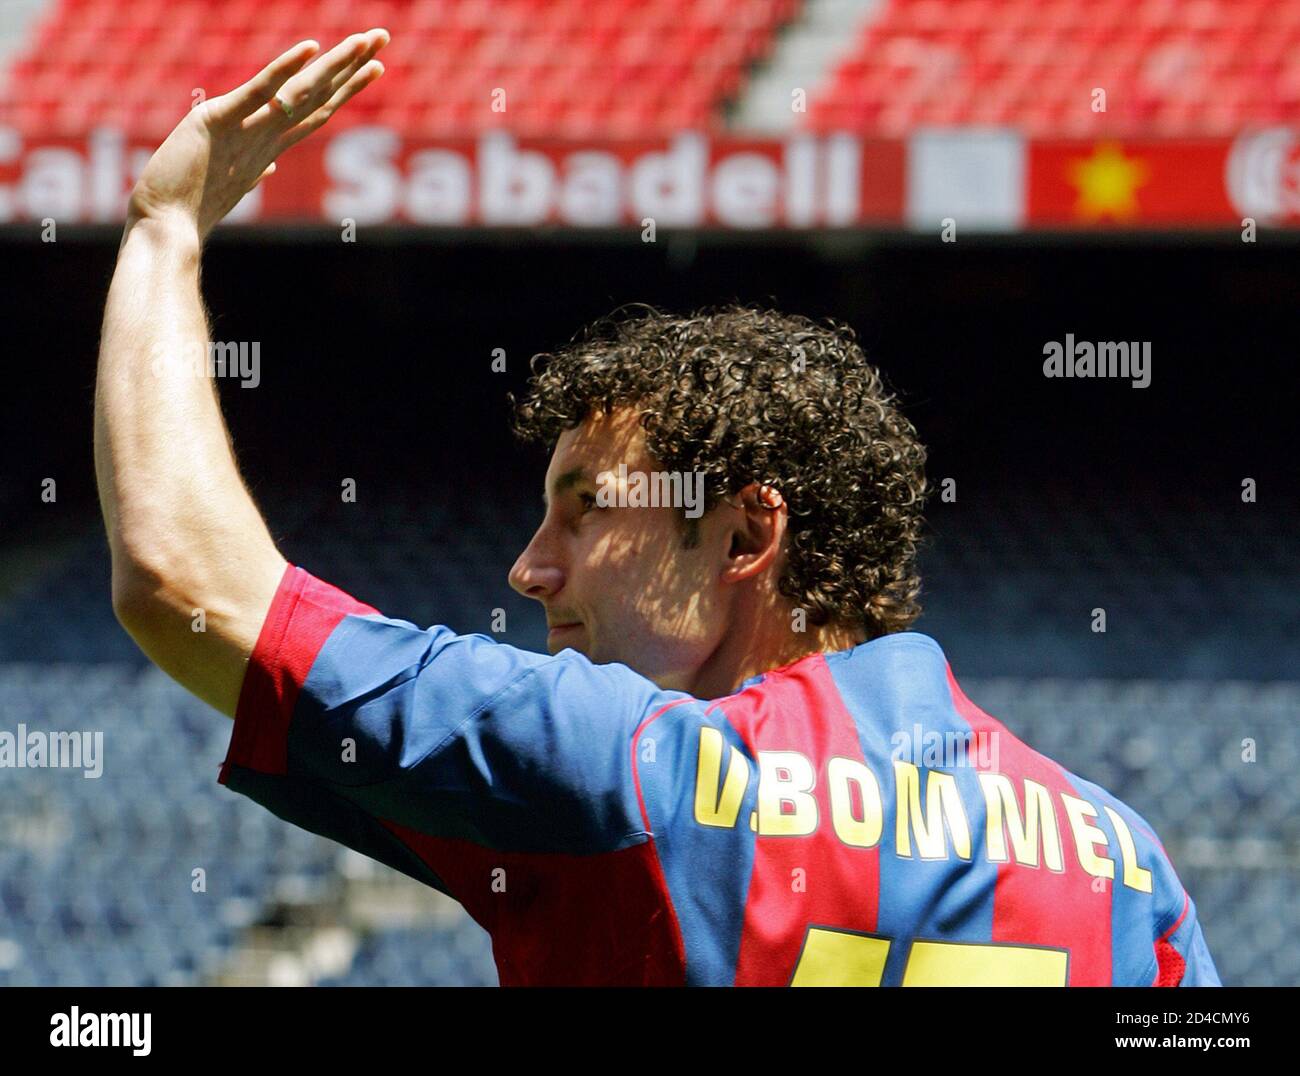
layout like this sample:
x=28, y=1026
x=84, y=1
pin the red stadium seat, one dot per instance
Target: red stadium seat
x=621, y=67
x=1167, y=67
x=646, y=66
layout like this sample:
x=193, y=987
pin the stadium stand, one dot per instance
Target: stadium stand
x=449, y=957
x=646, y=68
x=95, y=898
x=1167, y=68
x=626, y=68
x=1034, y=570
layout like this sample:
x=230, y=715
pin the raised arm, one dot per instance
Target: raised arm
x=185, y=535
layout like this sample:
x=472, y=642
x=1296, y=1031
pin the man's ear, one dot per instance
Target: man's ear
x=756, y=533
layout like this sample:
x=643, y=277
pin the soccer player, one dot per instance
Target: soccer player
x=735, y=765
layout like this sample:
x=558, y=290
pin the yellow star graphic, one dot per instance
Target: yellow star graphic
x=1107, y=183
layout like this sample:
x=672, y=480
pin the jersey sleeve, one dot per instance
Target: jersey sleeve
x=1183, y=958
x=433, y=752
x=1199, y=969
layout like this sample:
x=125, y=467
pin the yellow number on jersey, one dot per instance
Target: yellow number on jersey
x=845, y=958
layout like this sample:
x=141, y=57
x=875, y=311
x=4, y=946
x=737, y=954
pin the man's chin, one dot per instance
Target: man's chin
x=569, y=638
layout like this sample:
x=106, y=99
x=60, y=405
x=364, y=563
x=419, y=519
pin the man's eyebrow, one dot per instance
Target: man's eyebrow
x=565, y=481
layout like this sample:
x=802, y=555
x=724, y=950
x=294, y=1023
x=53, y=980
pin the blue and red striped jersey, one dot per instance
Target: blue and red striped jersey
x=849, y=818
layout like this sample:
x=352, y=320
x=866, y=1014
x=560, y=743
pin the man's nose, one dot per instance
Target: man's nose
x=537, y=573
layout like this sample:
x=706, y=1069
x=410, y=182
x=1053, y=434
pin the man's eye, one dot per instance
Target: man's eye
x=588, y=501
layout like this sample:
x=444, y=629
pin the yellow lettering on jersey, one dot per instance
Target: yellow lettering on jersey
x=1135, y=877
x=1087, y=836
x=941, y=804
x=786, y=777
x=1039, y=819
x=711, y=807
x=842, y=774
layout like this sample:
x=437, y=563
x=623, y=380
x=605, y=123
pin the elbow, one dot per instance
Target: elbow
x=144, y=591
x=136, y=596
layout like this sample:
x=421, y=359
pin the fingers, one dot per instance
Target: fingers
x=313, y=87
x=359, y=81
x=257, y=91
x=377, y=40
x=270, y=170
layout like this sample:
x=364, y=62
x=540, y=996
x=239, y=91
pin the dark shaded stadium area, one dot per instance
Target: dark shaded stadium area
x=376, y=364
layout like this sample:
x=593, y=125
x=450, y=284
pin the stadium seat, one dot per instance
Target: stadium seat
x=551, y=57
x=1174, y=70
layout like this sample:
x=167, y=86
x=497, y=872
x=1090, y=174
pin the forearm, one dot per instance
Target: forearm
x=194, y=569
x=183, y=530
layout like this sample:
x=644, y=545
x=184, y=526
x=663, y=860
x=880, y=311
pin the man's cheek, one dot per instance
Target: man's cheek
x=635, y=534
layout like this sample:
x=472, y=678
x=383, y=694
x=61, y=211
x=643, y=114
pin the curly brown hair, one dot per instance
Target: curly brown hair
x=743, y=395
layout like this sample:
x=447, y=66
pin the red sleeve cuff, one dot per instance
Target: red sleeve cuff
x=303, y=614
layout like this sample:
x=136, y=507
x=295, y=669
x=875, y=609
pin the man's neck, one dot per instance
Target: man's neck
x=745, y=654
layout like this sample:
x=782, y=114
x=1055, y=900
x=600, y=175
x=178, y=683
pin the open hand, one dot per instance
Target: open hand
x=224, y=147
